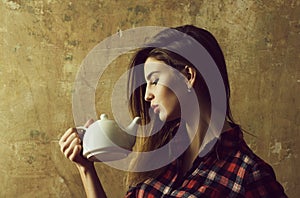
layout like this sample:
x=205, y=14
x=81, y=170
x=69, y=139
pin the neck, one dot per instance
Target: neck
x=196, y=132
x=196, y=140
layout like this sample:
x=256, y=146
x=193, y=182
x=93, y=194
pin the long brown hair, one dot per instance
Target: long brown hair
x=139, y=107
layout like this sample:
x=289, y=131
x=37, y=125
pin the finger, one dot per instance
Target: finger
x=70, y=149
x=71, y=137
x=66, y=135
x=75, y=152
x=89, y=122
x=66, y=144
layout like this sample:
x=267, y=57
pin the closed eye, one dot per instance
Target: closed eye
x=154, y=82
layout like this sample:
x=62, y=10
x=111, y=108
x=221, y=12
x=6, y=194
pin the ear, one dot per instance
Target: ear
x=190, y=73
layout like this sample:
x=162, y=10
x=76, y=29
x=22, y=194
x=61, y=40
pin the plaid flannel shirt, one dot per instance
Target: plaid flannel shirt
x=231, y=169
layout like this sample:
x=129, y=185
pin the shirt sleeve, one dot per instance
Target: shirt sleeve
x=131, y=193
x=261, y=182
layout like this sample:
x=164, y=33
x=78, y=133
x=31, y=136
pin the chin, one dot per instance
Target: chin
x=165, y=118
x=162, y=117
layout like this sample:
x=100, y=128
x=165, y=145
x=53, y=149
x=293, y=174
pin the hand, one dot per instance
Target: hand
x=70, y=146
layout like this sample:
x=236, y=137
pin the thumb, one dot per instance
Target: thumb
x=88, y=123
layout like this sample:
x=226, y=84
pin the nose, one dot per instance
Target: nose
x=148, y=95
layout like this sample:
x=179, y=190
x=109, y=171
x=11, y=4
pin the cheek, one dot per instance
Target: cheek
x=175, y=94
x=176, y=86
x=169, y=104
x=166, y=93
x=171, y=101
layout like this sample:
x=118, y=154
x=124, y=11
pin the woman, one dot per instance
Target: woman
x=175, y=94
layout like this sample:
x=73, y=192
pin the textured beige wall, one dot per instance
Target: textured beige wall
x=44, y=41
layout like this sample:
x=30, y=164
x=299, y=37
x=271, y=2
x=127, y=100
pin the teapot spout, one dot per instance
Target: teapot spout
x=133, y=126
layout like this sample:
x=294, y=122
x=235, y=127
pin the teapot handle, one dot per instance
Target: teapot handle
x=81, y=131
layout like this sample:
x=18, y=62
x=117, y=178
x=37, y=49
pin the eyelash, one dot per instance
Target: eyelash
x=154, y=82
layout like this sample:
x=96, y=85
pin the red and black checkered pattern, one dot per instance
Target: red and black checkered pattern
x=231, y=169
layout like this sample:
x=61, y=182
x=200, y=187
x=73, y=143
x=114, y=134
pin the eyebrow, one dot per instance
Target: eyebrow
x=149, y=75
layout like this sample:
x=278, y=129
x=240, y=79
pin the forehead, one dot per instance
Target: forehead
x=152, y=65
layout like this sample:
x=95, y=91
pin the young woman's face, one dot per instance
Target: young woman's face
x=162, y=84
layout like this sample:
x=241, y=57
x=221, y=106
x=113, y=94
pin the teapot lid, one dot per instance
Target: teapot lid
x=103, y=116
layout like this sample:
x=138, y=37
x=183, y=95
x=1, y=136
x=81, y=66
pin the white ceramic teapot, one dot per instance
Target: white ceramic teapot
x=104, y=140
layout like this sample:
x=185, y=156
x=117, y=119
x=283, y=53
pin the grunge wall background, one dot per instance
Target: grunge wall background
x=42, y=43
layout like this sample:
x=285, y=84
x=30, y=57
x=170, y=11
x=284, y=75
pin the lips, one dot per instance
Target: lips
x=155, y=108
